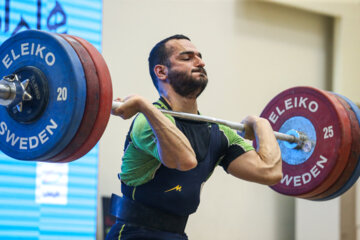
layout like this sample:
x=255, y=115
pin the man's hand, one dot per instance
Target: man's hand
x=132, y=105
x=249, y=123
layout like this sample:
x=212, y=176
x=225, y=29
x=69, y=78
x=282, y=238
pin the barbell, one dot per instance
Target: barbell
x=56, y=97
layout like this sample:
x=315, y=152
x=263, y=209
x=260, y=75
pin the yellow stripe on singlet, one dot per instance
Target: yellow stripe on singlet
x=133, y=193
x=122, y=228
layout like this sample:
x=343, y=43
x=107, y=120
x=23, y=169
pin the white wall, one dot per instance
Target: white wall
x=253, y=50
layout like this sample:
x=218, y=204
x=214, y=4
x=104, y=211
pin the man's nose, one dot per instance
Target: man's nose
x=200, y=62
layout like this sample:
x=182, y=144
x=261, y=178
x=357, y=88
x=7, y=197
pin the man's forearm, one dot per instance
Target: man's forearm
x=174, y=148
x=268, y=147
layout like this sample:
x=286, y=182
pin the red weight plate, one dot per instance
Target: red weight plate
x=92, y=103
x=354, y=153
x=322, y=117
x=105, y=89
x=343, y=153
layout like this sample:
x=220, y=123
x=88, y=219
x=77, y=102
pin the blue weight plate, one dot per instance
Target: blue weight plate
x=354, y=177
x=48, y=134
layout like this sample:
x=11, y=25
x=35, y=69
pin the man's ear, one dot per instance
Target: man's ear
x=161, y=72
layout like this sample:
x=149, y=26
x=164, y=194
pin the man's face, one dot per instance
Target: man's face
x=186, y=72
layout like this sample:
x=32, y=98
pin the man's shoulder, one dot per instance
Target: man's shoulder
x=162, y=103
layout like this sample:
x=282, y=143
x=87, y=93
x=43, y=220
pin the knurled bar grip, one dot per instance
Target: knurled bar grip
x=234, y=125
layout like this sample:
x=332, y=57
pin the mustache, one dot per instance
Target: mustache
x=200, y=69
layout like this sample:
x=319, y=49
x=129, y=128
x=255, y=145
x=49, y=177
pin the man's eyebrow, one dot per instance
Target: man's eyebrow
x=191, y=53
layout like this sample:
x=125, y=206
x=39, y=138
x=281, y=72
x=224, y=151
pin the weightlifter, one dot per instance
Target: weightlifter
x=167, y=160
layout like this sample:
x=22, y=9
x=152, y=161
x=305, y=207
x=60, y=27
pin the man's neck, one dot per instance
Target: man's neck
x=181, y=104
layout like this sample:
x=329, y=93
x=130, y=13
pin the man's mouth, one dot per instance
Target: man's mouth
x=200, y=70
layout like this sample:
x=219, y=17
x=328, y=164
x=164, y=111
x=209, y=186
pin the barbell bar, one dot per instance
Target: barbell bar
x=300, y=139
x=57, y=101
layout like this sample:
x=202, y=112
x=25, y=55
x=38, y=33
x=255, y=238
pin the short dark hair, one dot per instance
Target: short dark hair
x=159, y=55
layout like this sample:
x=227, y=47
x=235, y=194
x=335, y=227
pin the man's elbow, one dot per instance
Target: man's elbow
x=275, y=174
x=184, y=164
x=187, y=164
x=274, y=179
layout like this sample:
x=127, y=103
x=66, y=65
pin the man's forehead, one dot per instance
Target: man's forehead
x=180, y=45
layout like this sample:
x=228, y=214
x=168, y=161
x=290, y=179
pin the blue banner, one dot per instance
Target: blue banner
x=82, y=18
x=47, y=200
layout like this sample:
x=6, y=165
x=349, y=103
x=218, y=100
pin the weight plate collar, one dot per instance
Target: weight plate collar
x=27, y=111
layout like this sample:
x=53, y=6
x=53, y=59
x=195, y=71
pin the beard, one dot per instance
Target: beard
x=186, y=85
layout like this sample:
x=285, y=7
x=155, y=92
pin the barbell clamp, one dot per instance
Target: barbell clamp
x=13, y=91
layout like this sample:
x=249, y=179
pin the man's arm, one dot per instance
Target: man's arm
x=174, y=148
x=263, y=166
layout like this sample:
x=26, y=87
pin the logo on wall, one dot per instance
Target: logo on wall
x=51, y=183
x=44, y=14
